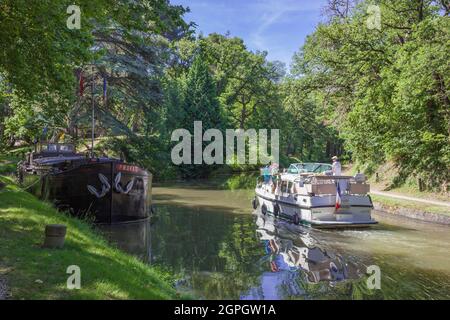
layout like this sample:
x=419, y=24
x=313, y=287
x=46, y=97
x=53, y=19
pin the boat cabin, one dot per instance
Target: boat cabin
x=55, y=149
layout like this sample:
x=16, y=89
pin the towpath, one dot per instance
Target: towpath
x=415, y=199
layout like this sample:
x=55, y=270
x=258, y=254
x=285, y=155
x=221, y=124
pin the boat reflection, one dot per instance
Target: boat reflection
x=225, y=256
x=131, y=237
x=293, y=248
x=296, y=261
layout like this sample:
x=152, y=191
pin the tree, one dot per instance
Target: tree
x=199, y=103
x=385, y=90
x=245, y=81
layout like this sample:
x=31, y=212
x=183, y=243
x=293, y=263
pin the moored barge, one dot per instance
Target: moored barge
x=101, y=189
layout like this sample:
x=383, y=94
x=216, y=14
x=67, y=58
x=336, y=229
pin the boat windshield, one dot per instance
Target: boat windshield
x=309, y=167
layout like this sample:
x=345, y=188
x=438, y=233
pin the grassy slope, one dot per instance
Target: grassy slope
x=106, y=272
x=8, y=164
x=392, y=202
x=408, y=190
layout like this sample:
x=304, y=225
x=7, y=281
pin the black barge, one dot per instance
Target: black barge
x=101, y=189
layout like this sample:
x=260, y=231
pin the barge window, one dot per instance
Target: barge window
x=65, y=148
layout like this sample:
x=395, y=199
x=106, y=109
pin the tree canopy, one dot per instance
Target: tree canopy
x=368, y=93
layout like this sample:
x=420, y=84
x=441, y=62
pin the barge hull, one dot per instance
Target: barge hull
x=113, y=203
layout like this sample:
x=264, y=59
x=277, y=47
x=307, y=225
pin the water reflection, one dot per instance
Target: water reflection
x=219, y=255
x=132, y=237
x=218, y=249
x=292, y=248
x=295, y=260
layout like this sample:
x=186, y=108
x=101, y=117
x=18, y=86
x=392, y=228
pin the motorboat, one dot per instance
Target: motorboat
x=309, y=194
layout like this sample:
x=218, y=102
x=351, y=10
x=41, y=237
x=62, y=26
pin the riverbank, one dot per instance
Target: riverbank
x=412, y=209
x=32, y=272
x=405, y=200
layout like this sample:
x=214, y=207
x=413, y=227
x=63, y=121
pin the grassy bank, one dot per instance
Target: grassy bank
x=37, y=273
x=418, y=206
x=8, y=164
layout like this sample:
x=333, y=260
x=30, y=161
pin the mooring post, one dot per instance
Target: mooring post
x=54, y=236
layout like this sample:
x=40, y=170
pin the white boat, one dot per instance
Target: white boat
x=315, y=197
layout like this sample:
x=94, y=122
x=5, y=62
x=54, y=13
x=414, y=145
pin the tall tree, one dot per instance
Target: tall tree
x=385, y=89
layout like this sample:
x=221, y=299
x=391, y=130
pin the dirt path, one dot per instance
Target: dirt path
x=399, y=196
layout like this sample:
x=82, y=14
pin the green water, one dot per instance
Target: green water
x=220, y=249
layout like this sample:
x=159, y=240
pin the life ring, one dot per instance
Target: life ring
x=276, y=209
x=264, y=209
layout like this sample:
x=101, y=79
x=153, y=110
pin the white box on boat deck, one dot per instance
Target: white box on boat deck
x=321, y=188
x=359, y=188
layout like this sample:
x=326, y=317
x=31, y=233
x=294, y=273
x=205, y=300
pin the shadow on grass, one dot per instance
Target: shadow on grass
x=38, y=273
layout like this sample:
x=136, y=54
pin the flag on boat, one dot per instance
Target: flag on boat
x=104, y=89
x=81, y=84
x=338, y=195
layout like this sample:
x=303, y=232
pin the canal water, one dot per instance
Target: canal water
x=220, y=248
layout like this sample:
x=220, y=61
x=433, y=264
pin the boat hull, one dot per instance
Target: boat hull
x=318, y=212
x=108, y=192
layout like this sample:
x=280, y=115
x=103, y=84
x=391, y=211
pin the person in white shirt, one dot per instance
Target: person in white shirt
x=336, y=166
x=337, y=172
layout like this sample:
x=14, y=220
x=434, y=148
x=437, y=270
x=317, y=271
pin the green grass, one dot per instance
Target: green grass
x=8, y=164
x=411, y=204
x=106, y=272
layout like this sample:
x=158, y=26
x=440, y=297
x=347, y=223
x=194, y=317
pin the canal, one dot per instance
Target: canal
x=209, y=236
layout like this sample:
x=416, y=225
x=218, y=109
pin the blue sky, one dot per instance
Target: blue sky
x=276, y=26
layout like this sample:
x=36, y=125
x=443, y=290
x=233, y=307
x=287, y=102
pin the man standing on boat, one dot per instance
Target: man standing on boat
x=336, y=166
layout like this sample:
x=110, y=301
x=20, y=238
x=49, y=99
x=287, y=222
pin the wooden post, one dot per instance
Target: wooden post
x=54, y=236
x=421, y=185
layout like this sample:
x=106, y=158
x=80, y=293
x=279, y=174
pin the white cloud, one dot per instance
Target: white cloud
x=269, y=12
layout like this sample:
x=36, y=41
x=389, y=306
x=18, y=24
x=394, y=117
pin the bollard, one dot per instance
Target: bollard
x=54, y=236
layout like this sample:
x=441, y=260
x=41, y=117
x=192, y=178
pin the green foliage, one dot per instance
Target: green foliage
x=199, y=103
x=128, y=44
x=306, y=133
x=386, y=91
x=245, y=81
x=365, y=94
x=200, y=99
